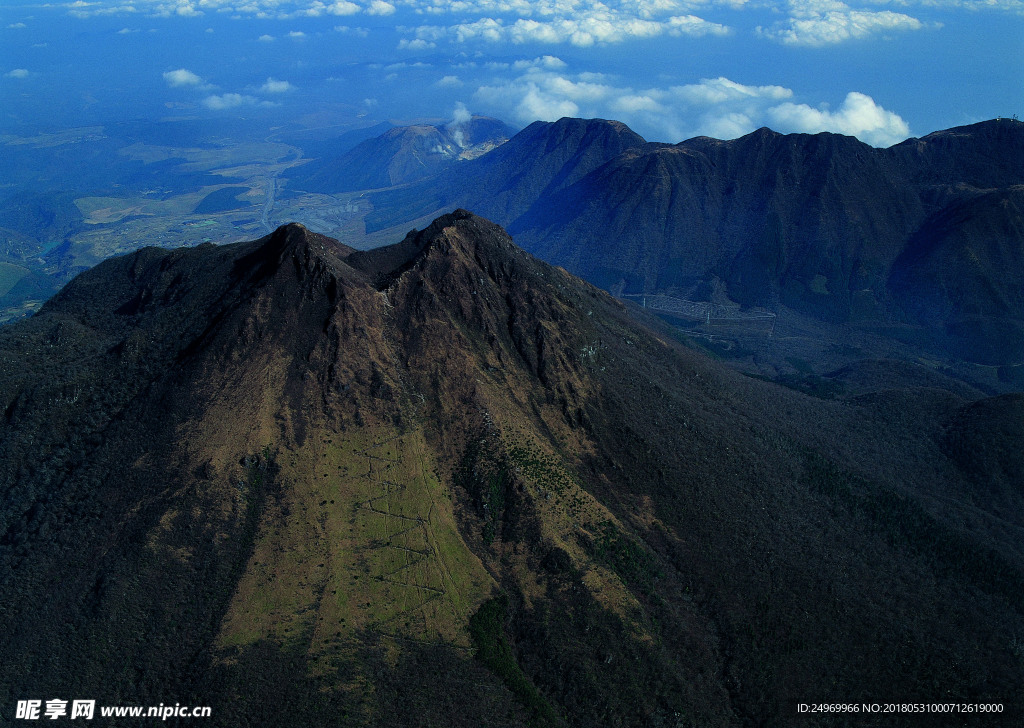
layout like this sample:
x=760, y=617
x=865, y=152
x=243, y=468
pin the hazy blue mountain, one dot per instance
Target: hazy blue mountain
x=403, y=154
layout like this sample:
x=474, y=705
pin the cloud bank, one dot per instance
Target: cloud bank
x=718, y=107
x=828, y=22
x=474, y=45
x=808, y=22
x=593, y=24
x=859, y=116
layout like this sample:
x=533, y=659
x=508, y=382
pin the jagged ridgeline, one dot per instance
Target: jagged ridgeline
x=442, y=483
x=920, y=242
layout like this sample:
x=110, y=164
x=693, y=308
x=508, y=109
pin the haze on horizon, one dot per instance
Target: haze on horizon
x=670, y=69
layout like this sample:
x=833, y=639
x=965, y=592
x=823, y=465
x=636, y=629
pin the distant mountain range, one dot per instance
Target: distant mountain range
x=911, y=252
x=445, y=483
x=403, y=154
x=927, y=234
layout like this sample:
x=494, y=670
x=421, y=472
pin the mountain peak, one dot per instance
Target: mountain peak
x=571, y=128
x=451, y=219
x=291, y=235
x=534, y=164
x=291, y=241
x=452, y=234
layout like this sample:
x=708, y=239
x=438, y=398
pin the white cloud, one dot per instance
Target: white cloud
x=575, y=22
x=582, y=91
x=808, y=20
x=127, y=31
x=181, y=8
x=694, y=26
x=182, y=77
x=721, y=90
x=729, y=125
x=859, y=116
x=523, y=31
x=550, y=62
x=538, y=104
x=402, y=64
x=380, y=7
x=89, y=10
x=416, y=44
x=18, y=73
x=315, y=10
x=296, y=34
x=346, y=30
x=343, y=7
x=486, y=28
x=1012, y=6
x=643, y=9
x=448, y=82
x=717, y=107
x=582, y=32
x=229, y=101
x=827, y=22
x=17, y=25
x=266, y=38
x=633, y=103
x=535, y=97
x=273, y=86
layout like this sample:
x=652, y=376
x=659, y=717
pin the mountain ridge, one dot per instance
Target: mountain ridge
x=301, y=483
x=819, y=224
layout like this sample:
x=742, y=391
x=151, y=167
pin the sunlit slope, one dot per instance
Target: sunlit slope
x=363, y=538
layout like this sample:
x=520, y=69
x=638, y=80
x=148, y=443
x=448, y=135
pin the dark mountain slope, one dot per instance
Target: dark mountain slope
x=763, y=213
x=960, y=273
x=807, y=221
x=508, y=182
x=822, y=225
x=984, y=155
x=306, y=485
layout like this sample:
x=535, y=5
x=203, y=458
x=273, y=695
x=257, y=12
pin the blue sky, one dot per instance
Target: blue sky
x=672, y=69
